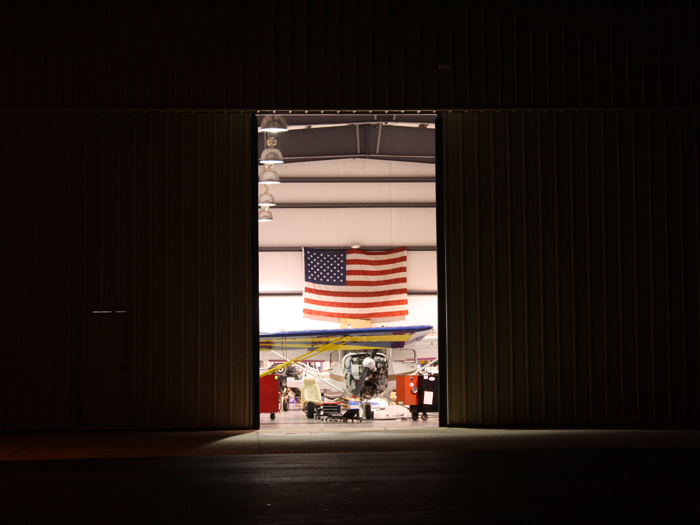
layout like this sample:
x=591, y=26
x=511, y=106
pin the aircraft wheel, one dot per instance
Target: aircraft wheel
x=424, y=417
x=272, y=416
x=414, y=416
x=285, y=405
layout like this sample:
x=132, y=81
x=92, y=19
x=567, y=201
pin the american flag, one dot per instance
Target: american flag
x=355, y=284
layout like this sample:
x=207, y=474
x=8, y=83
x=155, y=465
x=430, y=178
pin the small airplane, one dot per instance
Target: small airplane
x=364, y=371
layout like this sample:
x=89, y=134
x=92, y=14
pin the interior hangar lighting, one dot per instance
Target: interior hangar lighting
x=266, y=199
x=264, y=215
x=273, y=124
x=268, y=176
x=271, y=155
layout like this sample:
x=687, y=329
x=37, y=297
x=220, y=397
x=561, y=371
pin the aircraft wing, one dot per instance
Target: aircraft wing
x=354, y=339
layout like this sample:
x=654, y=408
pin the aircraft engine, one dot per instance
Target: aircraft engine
x=376, y=377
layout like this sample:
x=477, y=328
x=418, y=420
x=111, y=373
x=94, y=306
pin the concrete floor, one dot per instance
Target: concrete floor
x=297, y=471
x=291, y=433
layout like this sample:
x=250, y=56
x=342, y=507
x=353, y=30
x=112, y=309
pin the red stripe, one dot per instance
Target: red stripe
x=375, y=262
x=355, y=294
x=398, y=313
x=376, y=283
x=389, y=252
x=332, y=304
x=375, y=272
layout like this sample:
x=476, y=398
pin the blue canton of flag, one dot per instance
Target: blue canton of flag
x=324, y=267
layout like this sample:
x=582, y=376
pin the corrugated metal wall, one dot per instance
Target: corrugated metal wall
x=406, y=54
x=573, y=267
x=151, y=213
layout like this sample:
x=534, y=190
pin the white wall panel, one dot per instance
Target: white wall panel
x=364, y=226
x=281, y=271
x=413, y=192
x=355, y=168
x=303, y=225
x=285, y=313
x=421, y=271
x=347, y=226
x=413, y=227
x=322, y=192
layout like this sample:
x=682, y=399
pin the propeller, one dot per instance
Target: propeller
x=363, y=376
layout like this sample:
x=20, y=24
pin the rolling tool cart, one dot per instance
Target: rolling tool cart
x=420, y=393
x=328, y=409
x=429, y=391
x=270, y=395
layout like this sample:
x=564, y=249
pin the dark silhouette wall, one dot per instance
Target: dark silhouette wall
x=135, y=212
x=363, y=54
x=573, y=268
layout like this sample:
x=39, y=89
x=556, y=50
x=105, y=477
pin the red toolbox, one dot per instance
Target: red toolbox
x=407, y=390
x=269, y=395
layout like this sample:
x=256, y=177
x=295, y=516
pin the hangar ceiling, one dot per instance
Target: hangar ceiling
x=396, y=137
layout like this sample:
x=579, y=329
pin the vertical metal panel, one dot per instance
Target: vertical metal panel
x=571, y=254
x=351, y=55
x=151, y=213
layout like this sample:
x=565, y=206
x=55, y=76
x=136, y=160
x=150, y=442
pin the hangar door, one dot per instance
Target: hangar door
x=148, y=212
x=570, y=254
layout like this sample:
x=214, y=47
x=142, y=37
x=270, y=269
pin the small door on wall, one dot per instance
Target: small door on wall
x=103, y=370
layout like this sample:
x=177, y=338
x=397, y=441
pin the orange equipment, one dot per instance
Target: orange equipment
x=407, y=390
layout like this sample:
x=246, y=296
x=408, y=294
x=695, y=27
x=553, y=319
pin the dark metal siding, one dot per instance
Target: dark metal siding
x=350, y=55
x=573, y=269
x=151, y=213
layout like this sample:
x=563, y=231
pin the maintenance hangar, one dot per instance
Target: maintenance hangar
x=566, y=201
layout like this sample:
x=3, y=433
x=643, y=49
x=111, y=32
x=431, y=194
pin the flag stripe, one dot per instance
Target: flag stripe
x=334, y=304
x=379, y=282
x=376, y=262
x=354, y=251
x=378, y=293
x=376, y=272
x=352, y=315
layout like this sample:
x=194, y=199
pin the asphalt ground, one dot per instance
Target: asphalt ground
x=565, y=485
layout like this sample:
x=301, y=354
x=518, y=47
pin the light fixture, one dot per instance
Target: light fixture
x=266, y=199
x=271, y=155
x=264, y=215
x=268, y=176
x=273, y=124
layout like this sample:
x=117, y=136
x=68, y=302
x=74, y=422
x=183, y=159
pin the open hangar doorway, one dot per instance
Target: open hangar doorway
x=349, y=181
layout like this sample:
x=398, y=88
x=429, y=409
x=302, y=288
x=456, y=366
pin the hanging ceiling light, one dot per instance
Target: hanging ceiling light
x=273, y=124
x=271, y=155
x=266, y=199
x=264, y=215
x=268, y=176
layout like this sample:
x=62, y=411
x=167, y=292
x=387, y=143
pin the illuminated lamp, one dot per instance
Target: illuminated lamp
x=269, y=176
x=264, y=215
x=273, y=124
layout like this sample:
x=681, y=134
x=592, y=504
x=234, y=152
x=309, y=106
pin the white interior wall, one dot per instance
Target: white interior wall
x=279, y=314
x=343, y=227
